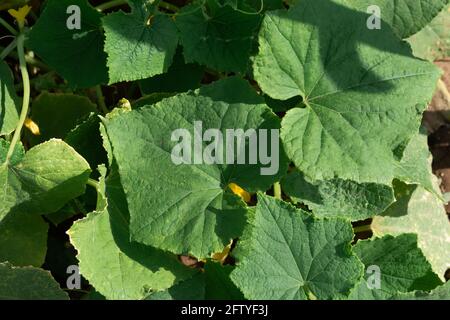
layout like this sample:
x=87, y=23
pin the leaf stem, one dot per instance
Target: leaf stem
x=8, y=26
x=277, y=190
x=364, y=228
x=26, y=95
x=93, y=183
x=110, y=4
x=101, y=99
x=8, y=49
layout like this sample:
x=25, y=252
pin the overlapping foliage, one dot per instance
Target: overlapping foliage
x=348, y=101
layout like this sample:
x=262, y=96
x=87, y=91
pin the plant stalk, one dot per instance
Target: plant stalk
x=93, y=183
x=8, y=26
x=101, y=99
x=277, y=190
x=8, y=49
x=26, y=96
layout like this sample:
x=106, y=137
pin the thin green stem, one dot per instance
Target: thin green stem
x=93, y=183
x=8, y=26
x=26, y=96
x=96, y=185
x=168, y=6
x=8, y=49
x=277, y=190
x=364, y=228
x=110, y=4
x=101, y=99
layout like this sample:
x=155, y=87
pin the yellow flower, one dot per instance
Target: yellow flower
x=20, y=14
x=240, y=192
x=32, y=126
x=221, y=256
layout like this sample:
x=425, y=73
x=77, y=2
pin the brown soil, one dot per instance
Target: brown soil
x=437, y=121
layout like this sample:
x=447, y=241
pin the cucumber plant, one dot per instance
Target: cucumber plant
x=274, y=145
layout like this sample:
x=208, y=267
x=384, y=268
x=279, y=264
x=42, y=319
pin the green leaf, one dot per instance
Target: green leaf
x=140, y=44
x=212, y=284
x=28, y=283
x=191, y=289
x=58, y=113
x=187, y=208
x=359, y=201
x=282, y=105
x=289, y=254
x=17, y=155
x=180, y=77
x=363, y=92
x=218, y=285
x=433, y=42
x=218, y=37
x=402, y=267
x=406, y=17
x=115, y=266
x=8, y=101
x=66, y=212
x=419, y=211
x=23, y=239
x=232, y=90
x=440, y=293
x=86, y=140
x=94, y=295
x=42, y=180
x=415, y=165
x=150, y=99
x=77, y=55
x=337, y=197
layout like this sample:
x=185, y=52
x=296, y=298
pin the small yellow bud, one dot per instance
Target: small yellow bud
x=240, y=192
x=32, y=126
x=125, y=104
